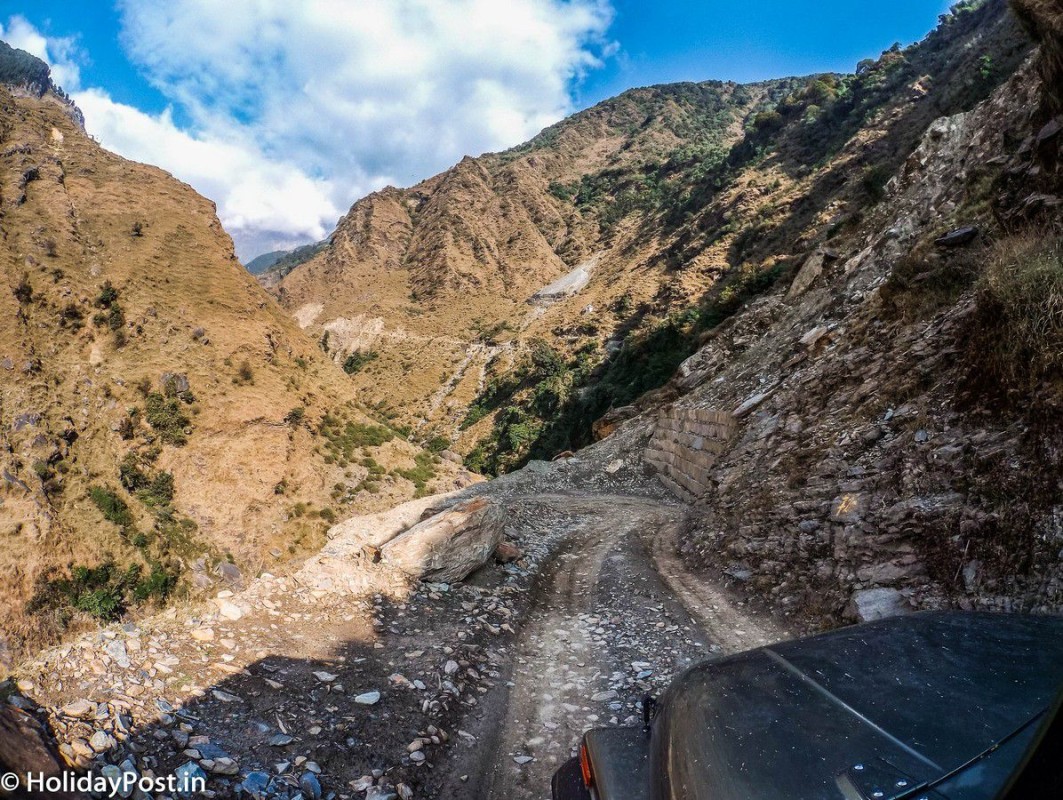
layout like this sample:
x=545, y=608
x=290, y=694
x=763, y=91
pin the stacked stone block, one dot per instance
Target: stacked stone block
x=685, y=446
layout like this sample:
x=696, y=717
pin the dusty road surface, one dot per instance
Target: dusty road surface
x=609, y=622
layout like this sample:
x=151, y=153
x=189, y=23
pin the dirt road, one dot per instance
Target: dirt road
x=611, y=620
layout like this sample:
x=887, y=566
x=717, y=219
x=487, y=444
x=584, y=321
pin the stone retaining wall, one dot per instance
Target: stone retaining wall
x=685, y=446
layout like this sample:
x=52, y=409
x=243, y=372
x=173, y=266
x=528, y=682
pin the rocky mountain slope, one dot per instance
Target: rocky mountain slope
x=165, y=425
x=504, y=305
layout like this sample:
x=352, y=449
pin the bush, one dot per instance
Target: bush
x=357, y=361
x=164, y=415
x=296, y=416
x=1019, y=331
x=244, y=373
x=108, y=295
x=158, y=493
x=24, y=291
x=71, y=316
x=420, y=474
x=113, y=507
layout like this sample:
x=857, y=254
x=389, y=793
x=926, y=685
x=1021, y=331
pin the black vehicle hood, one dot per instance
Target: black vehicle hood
x=890, y=706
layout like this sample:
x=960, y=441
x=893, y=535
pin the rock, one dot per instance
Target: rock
x=806, y=276
x=203, y=634
x=310, y=785
x=116, y=649
x=417, y=757
x=868, y=605
x=971, y=572
x=26, y=747
x=229, y=573
x=368, y=698
x=606, y=424
x=223, y=766
x=79, y=709
x=191, y=779
x=522, y=760
x=174, y=383
x=281, y=740
x=362, y=784
x=450, y=667
x=325, y=677
x=750, y=403
x=958, y=237
x=225, y=697
x=1050, y=131
x=450, y=545
x=230, y=610
x=380, y=793
x=102, y=742
x=507, y=552
x=813, y=336
x=256, y=784
x=452, y=457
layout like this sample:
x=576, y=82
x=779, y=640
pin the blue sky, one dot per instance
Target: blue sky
x=285, y=112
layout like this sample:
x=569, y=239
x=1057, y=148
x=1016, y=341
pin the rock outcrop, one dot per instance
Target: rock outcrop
x=448, y=546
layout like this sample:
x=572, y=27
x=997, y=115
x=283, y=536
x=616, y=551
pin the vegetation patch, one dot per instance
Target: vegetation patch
x=104, y=592
x=357, y=361
x=1017, y=341
x=420, y=474
x=343, y=438
x=165, y=416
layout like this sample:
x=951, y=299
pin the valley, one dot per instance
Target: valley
x=403, y=514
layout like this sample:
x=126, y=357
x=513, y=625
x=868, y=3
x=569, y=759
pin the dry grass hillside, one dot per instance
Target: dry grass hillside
x=160, y=415
x=503, y=306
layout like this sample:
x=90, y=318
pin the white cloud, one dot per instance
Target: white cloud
x=262, y=202
x=298, y=108
x=60, y=53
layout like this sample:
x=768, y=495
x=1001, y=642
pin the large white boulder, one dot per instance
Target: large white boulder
x=448, y=546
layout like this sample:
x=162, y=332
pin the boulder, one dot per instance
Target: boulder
x=507, y=552
x=27, y=746
x=958, y=238
x=610, y=421
x=448, y=546
x=868, y=605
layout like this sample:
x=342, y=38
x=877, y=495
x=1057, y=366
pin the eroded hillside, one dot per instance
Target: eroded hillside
x=165, y=425
x=502, y=307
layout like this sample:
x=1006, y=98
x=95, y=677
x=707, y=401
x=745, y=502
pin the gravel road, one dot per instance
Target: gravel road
x=614, y=616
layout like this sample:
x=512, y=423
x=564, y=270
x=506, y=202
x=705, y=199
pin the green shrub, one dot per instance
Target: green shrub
x=159, y=492
x=420, y=474
x=71, y=316
x=358, y=360
x=437, y=444
x=165, y=416
x=115, y=317
x=113, y=507
x=296, y=416
x=159, y=584
x=108, y=295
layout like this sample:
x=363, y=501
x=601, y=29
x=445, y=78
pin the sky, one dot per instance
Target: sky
x=284, y=112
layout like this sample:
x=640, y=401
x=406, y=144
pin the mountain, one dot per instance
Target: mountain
x=165, y=425
x=272, y=266
x=261, y=263
x=502, y=306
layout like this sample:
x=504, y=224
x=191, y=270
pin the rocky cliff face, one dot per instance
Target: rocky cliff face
x=164, y=424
